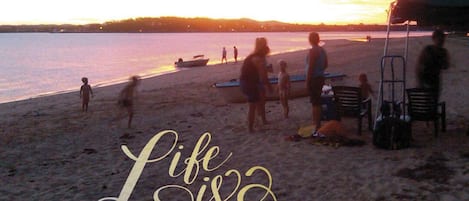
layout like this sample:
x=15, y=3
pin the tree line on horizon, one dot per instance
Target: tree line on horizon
x=178, y=24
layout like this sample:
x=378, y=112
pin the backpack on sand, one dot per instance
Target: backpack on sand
x=392, y=133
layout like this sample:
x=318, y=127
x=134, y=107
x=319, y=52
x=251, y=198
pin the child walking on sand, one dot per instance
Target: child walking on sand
x=126, y=97
x=284, y=87
x=85, y=92
x=365, y=87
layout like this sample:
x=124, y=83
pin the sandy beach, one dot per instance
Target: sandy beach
x=50, y=150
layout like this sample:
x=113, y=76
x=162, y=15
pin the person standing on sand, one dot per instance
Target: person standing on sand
x=431, y=61
x=223, y=56
x=127, y=96
x=365, y=87
x=316, y=64
x=284, y=87
x=235, y=52
x=253, y=80
x=85, y=92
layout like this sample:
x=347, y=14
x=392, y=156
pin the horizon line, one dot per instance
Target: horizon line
x=242, y=18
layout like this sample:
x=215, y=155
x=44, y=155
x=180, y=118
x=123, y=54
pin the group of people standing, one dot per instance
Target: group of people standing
x=254, y=80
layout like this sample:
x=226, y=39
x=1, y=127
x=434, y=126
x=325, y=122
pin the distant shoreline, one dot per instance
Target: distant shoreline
x=197, y=25
x=253, y=31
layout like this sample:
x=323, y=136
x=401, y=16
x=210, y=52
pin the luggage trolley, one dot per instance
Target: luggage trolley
x=391, y=81
x=391, y=129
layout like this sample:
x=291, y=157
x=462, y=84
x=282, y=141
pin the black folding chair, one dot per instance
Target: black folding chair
x=349, y=103
x=424, y=106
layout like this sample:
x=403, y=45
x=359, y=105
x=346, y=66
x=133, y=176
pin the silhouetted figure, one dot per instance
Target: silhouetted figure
x=127, y=96
x=85, y=92
x=253, y=81
x=316, y=64
x=432, y=59
x=368, y=38
x=223, y=57
x=235, y=52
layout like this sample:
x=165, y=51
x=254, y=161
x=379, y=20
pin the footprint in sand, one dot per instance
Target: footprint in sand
x=198, y=114
x=12, y=172
x=89, y=151
x=126, y=136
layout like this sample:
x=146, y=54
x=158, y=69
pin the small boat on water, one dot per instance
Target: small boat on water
x=231, y=91
x=197, y=60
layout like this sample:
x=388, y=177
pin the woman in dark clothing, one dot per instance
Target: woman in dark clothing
x=253, y=80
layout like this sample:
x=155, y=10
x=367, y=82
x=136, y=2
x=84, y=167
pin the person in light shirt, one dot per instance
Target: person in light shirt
x=284, y=87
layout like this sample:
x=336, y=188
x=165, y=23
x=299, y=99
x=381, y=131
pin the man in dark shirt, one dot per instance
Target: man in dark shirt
x=432, y=59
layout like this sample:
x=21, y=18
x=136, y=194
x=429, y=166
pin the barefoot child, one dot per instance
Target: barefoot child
x=284, y=87
x=126, y=97
x=85, y=92
x=365, y=87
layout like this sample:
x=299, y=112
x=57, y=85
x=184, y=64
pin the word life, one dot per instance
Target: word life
x=199, y=160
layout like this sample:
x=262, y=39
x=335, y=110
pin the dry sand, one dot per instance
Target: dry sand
x=50, y=150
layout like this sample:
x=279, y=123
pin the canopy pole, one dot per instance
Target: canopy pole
x=406, y=53
x=386, y=42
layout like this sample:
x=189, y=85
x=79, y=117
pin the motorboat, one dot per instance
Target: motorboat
x=197, y=60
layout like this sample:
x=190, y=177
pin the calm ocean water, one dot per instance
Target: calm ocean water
x=34, y=64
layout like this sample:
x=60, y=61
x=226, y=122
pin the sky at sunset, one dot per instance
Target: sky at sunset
x=98, y=11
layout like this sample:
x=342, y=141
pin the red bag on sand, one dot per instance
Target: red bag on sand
x=332, y=127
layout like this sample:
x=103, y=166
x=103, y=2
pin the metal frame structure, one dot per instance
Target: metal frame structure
x=392, y=58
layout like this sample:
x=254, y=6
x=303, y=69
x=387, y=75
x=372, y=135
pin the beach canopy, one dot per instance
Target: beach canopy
x=451, y=14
